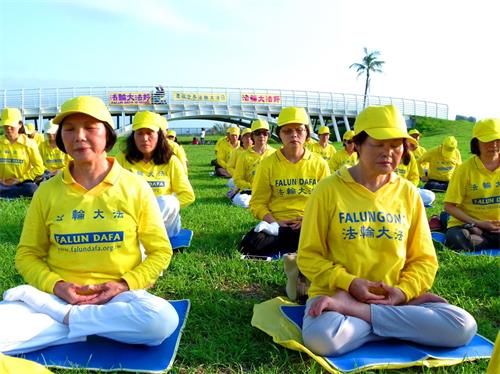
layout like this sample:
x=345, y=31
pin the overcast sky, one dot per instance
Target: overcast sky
x=443, y=51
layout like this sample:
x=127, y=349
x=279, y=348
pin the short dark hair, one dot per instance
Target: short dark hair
x=363, y=135
x=308, y=131
x=110, y=137
x=161, y=153
x=474, y=147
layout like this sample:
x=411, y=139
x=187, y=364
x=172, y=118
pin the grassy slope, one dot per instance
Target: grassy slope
x=223, y=289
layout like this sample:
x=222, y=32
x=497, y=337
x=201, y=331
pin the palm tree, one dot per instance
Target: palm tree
x=367, y=65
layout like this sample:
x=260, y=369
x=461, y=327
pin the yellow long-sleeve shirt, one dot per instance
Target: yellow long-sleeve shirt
x=440, y=168
x=164, y=179
x=282, y=188
x=20, y=160
x=247, y=167
x=409, y=171
x=475, y=190
x=92, y=236
x=325, y=152
x=351, y=232
x=224, y=152
x=418, y=152
x=234, y=158
x=53, y=158
x=342, y=158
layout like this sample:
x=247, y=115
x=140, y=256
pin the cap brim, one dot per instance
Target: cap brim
x=9, y=123
x=149, y=126
x=387, y=134
x=489, y=137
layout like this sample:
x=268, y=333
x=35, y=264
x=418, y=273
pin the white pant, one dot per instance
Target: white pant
x=170, y=212
x=242, y=200
x=427, y=196
x=436, y=324
x=134, y=317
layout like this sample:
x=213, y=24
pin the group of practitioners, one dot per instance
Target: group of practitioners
x=95, y=236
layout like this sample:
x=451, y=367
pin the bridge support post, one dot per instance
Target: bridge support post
x=336, y=128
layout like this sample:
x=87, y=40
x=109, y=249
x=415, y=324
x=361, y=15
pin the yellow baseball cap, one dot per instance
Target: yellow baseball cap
x=146, y=120
x=348, y=135
x=324, y=130
x=11, y=117
x=163, y=122
x=89, y=105
x=382, y=123
x=293, y=115
x=487, y=130
x=245, y=131
x=171, y=133
x=414, y=131
x=448, y=147
x=259, y=124
x=233, y=131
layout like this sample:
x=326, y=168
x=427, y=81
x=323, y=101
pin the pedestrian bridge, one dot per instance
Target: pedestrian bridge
x=235, y=105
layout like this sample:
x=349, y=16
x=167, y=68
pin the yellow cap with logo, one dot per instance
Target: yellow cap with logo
x=11, y=117
x=487, y=130
x=324, y=130
x=449, y=145
x=163, y=122
x=146, y=120
x=293, y=115
x=414, y=131
x=234, y=131
x=29, y=128
x=245, y=131
x=382, y=123
x=89, y=105
x=171, y=133
x=259, y=124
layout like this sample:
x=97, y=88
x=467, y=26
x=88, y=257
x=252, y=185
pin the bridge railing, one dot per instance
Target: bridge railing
x=41, y=100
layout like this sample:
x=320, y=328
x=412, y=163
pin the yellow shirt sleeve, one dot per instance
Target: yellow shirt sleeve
x=180, y=183
x=241, y=173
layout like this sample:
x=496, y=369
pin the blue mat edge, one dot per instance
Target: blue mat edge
x=188, y=243
x=283, y=309
x=440, y=237
x=168, y=368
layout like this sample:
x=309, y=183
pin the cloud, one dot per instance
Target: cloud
x=152, y=12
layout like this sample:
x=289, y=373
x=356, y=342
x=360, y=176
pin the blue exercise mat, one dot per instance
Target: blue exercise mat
x=440, y=238
x=393, y=351
x=103, y=354
x=182, y=239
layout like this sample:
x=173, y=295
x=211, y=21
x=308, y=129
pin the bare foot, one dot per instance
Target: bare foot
x=343, y=302
x=427, y=297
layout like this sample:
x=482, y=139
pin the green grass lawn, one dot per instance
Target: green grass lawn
x=222, y=288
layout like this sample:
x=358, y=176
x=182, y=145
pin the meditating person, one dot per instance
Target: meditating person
x=345, y=157
x=246, y=141
x=20, y=162
x=472, y=197
x=53, y=158
x=323, y=147
x=282, y=184
x=442, y=161
x=249, y=161
x=416, y=148
x=367, y=250
x=148, y=154
x=79, y=248
x=224, y=152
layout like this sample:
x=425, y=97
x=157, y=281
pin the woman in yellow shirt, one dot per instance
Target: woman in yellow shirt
x=20, y=162
x=472, y=198
x=79, y=249
x=345, y=157
x=149, y=155
x=246, y=142
x=367, y=250
x=323, y=147
x=53, y=158
x=282, y=184
x=249, y=162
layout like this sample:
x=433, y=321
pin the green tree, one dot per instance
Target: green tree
x=370, y=63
